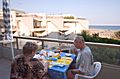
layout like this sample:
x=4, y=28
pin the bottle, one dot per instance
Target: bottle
x=46, y=47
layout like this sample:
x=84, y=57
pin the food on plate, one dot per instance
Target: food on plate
x=65, y=60
x=56, y=55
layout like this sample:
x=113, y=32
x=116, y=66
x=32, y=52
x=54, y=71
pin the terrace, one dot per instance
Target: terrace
x=110, y=65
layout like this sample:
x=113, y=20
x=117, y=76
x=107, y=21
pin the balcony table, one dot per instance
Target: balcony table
x=59, y=71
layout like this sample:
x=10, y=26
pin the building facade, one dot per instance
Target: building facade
x=41, y=24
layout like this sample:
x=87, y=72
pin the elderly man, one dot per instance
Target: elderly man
x=84, y=60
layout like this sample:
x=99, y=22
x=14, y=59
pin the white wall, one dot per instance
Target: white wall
x=52, y=28
x=52, y=31
x=13, y=18
x=26, y=25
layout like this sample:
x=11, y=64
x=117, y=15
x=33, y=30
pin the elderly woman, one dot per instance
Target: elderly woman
x=24, y=66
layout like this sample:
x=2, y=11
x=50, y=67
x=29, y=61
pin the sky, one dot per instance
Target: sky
x=96, y=11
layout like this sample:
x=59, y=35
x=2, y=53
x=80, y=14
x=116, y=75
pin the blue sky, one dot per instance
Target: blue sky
x=96, y=11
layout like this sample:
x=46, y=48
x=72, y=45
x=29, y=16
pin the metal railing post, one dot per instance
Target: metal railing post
x=42, y=44
x=17, y=43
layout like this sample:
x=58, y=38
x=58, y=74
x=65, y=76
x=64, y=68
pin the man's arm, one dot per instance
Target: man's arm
x=77, y=71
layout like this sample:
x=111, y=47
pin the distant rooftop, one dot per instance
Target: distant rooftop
x=18, y=11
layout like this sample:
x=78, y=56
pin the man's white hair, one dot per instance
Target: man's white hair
x=79, y=38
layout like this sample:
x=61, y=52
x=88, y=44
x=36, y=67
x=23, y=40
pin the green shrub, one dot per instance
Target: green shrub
x=95, y=38
x=117, y=34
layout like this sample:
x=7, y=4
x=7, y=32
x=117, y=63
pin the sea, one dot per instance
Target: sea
x=104, y=27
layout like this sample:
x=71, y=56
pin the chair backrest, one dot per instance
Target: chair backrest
x=97, y=68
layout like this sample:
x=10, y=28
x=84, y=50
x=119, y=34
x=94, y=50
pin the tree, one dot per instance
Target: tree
x=117, y=34
x=69, y=17
x=86, y=35
x=95, y=35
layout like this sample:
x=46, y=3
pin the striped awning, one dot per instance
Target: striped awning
x=6, y=19
x=7, y=25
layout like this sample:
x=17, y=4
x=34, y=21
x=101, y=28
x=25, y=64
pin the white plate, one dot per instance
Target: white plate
x=59, y=65
x=68, y=54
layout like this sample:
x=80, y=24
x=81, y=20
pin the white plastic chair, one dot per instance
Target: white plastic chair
x=97, y=68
